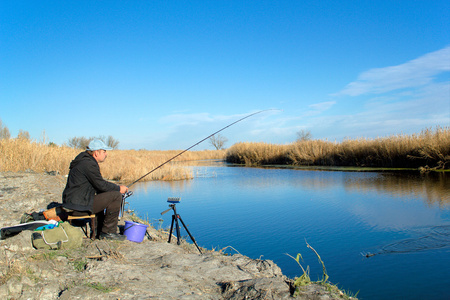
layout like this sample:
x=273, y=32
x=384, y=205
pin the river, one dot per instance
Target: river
x=383, y=235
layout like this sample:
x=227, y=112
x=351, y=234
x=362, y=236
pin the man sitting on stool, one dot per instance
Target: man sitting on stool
x=87, y=191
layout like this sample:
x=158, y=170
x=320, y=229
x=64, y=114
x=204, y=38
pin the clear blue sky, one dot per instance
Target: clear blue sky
x=165, y=74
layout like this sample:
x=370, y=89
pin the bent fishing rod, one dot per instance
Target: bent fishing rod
x=258, y=112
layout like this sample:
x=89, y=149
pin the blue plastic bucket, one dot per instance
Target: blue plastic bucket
x=135, y=232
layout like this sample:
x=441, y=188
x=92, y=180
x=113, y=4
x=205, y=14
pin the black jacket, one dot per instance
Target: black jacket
x=84, y=182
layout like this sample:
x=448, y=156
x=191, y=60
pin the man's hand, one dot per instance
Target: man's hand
x=123, y=189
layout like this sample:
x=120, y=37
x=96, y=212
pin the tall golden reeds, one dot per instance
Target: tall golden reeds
x=123, y=165
x=429, y=148
x=256, y=154
x=21, y=154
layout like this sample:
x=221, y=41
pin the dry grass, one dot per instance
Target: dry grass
x=428, y=148
x=257, y=154
x=10, y=268
x=122, y=165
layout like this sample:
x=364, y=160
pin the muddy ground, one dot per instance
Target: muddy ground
x=153, y=269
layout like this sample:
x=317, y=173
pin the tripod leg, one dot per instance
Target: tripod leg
x=177, y=227
x=190, y=235
x=171, y=229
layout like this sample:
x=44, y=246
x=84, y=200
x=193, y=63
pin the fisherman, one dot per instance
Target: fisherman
x=87, y=191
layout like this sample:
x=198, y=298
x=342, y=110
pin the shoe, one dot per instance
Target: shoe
x=112, y=236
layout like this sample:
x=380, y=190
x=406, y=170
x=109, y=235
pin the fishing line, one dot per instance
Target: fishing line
x=258, y=112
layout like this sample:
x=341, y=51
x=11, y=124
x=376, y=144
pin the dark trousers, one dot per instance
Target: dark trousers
x=107, y=209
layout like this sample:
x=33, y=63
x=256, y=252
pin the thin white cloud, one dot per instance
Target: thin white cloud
x=199, y=118
x=320, y=107
x=414, y=73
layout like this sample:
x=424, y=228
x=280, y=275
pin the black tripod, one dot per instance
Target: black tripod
x=175, y=218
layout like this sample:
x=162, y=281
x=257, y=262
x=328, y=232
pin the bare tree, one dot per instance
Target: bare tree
x=112, y=142
x=4, y=131
x=304, y=135
x=23, y=135
x=218, y=141
x=78, y=142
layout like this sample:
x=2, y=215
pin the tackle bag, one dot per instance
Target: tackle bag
x=64, y=236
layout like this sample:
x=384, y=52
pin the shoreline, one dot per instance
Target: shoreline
x=126, y=270
x=346, y=168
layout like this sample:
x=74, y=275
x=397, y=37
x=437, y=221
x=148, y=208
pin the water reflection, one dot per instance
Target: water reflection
x=386, y=214
x=433, y=188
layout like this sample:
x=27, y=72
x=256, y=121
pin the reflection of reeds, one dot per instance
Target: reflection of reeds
x=124, y=165
x=433, y=188
x=428, y=148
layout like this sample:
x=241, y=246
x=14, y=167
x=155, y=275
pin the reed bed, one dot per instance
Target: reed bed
x=20, y=154
x=254, y=154
x=428, y=149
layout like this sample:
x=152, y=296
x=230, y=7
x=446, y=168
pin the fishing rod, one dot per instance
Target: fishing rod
x=258, y=112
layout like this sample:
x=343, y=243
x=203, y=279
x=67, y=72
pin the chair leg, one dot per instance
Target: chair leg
x=92, y=224
x=93, y=232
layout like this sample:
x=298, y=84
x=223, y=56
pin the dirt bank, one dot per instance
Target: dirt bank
x=153, y=269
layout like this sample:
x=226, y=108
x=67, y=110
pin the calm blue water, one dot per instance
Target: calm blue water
x=266, y=213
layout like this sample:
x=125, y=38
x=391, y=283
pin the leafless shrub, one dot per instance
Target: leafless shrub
x=218, y=141
x=4, y=131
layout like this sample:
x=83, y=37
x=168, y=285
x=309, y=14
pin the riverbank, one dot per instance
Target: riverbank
x=126, y=270
x=427, y=150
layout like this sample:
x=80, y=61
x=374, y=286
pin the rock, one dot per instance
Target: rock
x=14, y=287
x=4, y=291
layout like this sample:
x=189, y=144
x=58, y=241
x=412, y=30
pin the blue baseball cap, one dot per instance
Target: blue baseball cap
x=97, y=145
